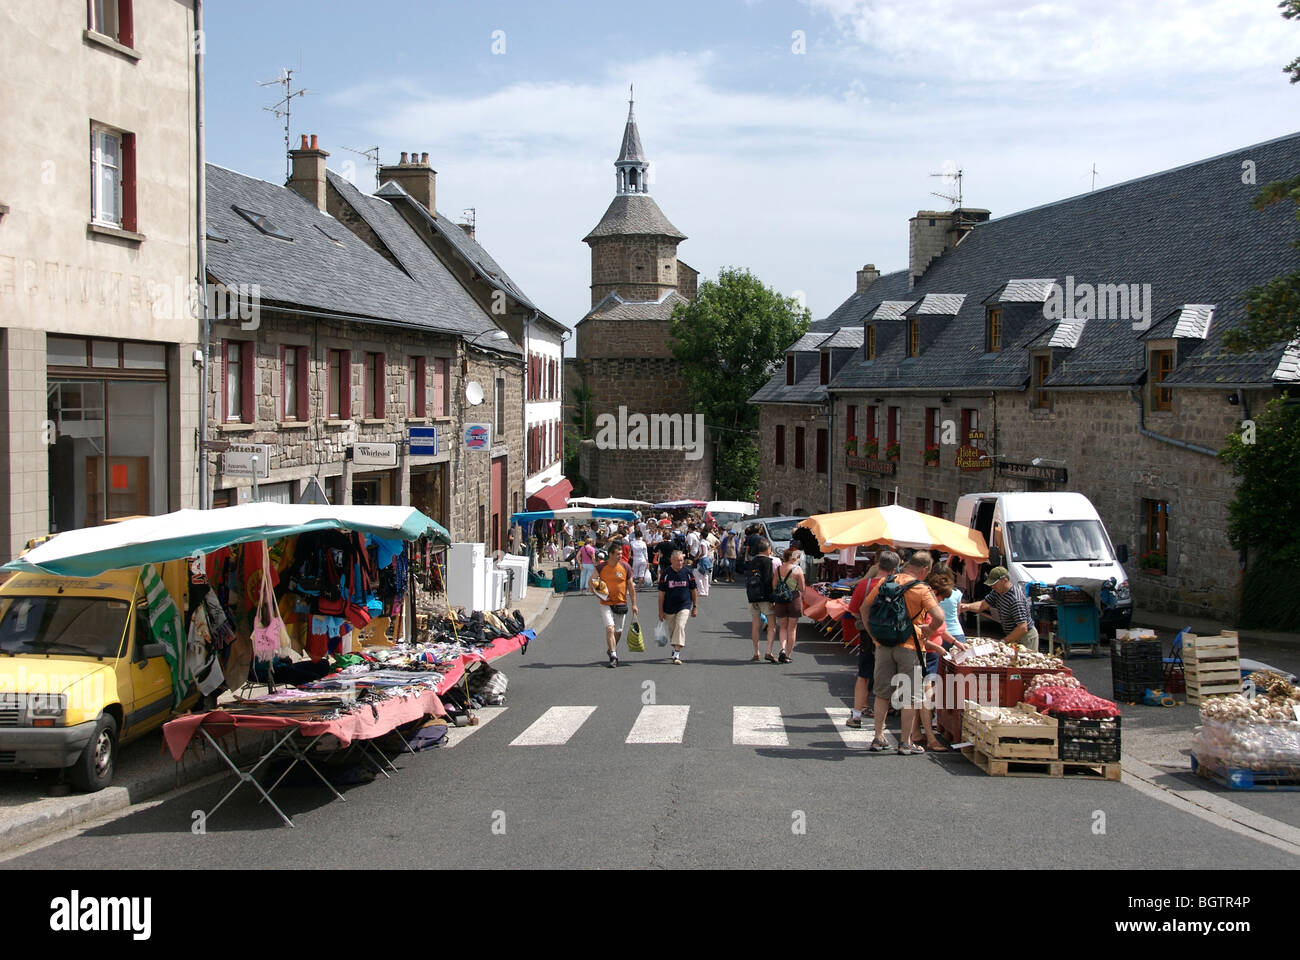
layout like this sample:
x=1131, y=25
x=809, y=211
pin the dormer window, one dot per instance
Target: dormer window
x=871, y=341
x=1042, y=370
x=913, y=336
x=1162, y=365
x=825, y=377
x=789, y=370
x=993, y=331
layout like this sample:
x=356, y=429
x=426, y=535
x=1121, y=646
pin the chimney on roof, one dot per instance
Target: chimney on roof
x=308, y=176
x=469, y=229
x=867, y=276
x=932, y=233
x=415, y=176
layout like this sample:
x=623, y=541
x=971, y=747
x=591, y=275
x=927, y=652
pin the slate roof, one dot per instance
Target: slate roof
x=892, y=309
x=937, y=305
x=1022, y=291
x=812, y=340
x=325, y=266
x=1182, y=231
x=634, y=214
x=614, y=307
x=845, y=338
x=807, y=390
x=631, y=151
x=1288, y=366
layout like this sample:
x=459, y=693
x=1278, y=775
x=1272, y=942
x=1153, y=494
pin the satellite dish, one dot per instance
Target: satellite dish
x=474, y=393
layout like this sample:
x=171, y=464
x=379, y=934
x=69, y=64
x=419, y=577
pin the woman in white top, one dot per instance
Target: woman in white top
x=640, y=559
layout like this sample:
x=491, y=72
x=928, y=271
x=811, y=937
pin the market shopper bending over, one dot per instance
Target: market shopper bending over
x=1011, y=605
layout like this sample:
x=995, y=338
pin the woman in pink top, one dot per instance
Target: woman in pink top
x=587, y=561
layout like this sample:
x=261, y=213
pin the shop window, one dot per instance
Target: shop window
x=237, y=381
x=415, y=402
x=1042, y=370
x=1162, y=365
x=293, y=384
x=339, y=387
x=440, y=391
x=374, y=387
x=798, y=448
x=780, y=444
x=821, y=451
x=112, y=177
x=1155, y=559
x=113, y=18
x=993, y=331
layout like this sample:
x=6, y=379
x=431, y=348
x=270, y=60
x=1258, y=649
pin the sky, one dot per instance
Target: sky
x=793, y=138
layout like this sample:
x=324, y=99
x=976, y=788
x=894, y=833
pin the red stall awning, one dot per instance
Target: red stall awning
x=553, y=497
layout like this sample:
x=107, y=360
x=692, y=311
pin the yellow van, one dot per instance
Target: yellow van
x=80, y=673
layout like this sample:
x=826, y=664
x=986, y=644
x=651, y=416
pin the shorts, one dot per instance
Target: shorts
x=931, y=663
x=867, y=660
x=676, y=623
x=762, y=606
x=892, y=661
x=610, y=618
x=791, y=610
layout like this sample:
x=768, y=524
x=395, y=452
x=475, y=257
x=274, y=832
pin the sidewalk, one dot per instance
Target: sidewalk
x=32, y=806
x=1169, y=623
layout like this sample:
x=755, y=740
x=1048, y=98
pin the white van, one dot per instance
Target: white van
x=1045, y=537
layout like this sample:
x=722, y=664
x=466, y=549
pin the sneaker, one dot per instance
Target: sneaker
x=853, y=723
x=613, y=661
x=677, y=661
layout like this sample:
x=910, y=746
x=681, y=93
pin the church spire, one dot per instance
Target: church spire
x=631, y=169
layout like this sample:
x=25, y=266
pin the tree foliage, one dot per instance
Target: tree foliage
x=1265, y=513
x=728, y=341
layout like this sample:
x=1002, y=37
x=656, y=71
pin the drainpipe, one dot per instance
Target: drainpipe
x=523, y=468
x=1136, y=394
x=200, y=229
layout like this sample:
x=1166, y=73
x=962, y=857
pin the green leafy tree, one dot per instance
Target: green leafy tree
x=1273, y=310
x=1263, y=516
x=728, y=341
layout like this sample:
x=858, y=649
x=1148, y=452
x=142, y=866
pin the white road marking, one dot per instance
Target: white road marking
x=851, y=738
x=485, y=716
x=758, y=727
x=554, y=727
x=659, y=723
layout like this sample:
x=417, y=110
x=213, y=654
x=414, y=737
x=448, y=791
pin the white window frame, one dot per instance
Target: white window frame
x=98, y=168
x=101, y=11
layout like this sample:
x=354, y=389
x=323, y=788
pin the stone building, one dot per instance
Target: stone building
x=99, y=397
x=1073, y=346
x=623, y=353
x=355, y=368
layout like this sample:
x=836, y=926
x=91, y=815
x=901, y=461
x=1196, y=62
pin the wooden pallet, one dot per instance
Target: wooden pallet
x=1056, y=769
x=1011, y=741
x=1242, y=779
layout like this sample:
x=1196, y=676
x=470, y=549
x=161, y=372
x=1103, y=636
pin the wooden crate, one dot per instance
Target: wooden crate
x=1211, y=666
x=1057, y=769
x=1011, y=740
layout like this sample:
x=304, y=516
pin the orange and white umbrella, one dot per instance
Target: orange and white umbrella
x=895, y=526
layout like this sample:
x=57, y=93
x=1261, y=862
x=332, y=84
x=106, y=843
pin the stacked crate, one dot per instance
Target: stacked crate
x=1135, y=667
x=1212, y=666
x=1092, y=741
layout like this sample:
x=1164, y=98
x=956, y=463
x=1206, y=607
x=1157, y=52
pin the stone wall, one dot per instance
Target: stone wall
x=636, y=268
x=783, y=489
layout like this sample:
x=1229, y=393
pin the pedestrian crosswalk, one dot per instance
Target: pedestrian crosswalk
x=752, y=726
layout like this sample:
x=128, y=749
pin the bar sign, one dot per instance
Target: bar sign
x=424, y=441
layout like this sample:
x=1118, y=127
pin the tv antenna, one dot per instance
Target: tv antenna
x=284, y=108
x=470, y=216
x=371, y=154
x=1094, y=176
x=956, y=201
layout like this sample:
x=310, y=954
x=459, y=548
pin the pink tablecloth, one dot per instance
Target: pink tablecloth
x=817, y=607
x=497, y=648
x=364, y=723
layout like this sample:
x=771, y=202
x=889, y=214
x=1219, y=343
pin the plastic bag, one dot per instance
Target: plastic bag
x=661, y=634
x=635, y=638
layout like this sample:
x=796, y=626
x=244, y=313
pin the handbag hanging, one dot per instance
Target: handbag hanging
x=268, y=628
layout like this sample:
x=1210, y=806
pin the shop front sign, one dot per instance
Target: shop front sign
x=237, y=461
x=374, y=454
x=423, y=441
x=1029, y=471
x=478, y=436
x=885, y=468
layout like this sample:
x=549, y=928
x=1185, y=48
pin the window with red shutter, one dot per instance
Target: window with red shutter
x=439, y=386
x=247, y=397
x=129, y=220
x=420, y=391
x=821, y=451
x=303, y=408
x=780, y=445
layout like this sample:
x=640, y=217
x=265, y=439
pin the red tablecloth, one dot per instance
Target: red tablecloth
x=364, y=723
x=497, y=648
x=817, y=607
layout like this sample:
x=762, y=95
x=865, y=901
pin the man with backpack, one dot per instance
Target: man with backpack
x=886, y=565
x=895, y=605
x=758, y=589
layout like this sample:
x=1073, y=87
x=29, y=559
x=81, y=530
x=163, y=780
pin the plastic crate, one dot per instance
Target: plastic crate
x=1133, y=692
x=1137, y=671
x=1068, y=595
x=1010, y=682
x=1076, y=729
x=1090, y=751
x=1136, y=650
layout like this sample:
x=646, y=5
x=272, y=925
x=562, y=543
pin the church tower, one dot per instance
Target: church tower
x=623, y=350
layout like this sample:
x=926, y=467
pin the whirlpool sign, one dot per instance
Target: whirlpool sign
x=478, y=436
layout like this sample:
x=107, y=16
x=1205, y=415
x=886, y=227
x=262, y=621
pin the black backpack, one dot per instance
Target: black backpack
x=888, y=620
x=758, y=587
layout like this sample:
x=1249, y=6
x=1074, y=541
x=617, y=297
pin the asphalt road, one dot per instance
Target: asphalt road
x=597, y=800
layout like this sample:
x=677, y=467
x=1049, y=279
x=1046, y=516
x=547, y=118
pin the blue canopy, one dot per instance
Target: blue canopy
x=573, y=513
x=133, y=543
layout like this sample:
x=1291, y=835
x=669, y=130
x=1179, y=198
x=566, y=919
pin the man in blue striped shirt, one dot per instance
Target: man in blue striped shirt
x=1009, y=602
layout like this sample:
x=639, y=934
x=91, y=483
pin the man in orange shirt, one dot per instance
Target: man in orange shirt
x=903, y=661
x=621, y=588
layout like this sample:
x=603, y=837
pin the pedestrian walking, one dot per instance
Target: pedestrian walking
x=758, y=590
x=586, y=563
x=619, y=592
x=728, y=564
x=677, y=602
x=787, y=600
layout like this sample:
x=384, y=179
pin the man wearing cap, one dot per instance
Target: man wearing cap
x=1009, y=602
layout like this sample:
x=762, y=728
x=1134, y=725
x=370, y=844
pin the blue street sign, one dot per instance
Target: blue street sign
x=424, y=441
